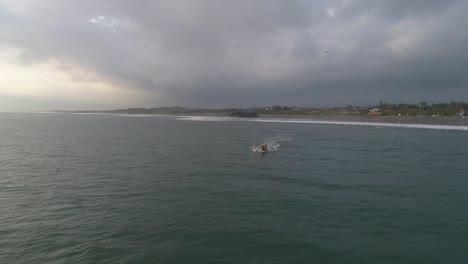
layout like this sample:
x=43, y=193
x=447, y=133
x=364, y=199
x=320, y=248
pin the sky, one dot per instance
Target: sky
x=107, y=54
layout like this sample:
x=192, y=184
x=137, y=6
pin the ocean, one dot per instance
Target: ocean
x=144, y=189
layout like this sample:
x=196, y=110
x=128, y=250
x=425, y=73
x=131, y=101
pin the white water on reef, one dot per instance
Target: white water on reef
x=324, y=122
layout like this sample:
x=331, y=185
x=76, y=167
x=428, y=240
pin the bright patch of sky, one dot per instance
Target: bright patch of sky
x=55, y=80
x=105, y=22
x=331, y=12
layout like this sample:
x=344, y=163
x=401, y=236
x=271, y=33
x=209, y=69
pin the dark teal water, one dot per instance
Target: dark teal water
x=115, y=189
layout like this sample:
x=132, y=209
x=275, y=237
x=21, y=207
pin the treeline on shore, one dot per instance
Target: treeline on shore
x=420, y=109
x=425, y=109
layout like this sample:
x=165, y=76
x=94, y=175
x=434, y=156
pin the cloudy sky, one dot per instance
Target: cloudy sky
x=104, y=54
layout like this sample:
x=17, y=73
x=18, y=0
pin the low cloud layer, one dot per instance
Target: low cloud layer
x=240, y=53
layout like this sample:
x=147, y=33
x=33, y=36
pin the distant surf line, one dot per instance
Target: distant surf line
x=322, y=122
x=106, y=114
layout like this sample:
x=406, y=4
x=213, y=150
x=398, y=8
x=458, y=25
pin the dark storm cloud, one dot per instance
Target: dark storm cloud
x=243, y=52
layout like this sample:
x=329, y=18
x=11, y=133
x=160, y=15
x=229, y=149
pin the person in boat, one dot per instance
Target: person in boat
x=264, y=147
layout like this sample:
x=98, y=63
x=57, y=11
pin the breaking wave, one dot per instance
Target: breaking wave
x=325, y=122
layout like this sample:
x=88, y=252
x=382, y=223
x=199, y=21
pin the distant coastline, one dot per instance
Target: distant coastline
x=324, y=114
x=429, y=120
x=381, y=109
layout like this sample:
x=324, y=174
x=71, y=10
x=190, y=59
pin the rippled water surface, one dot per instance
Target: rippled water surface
x=120, y=189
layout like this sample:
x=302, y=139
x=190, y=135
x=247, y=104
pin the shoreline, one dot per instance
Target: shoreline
x=421, y=120
x=417, y=120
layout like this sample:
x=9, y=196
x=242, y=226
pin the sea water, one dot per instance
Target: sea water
x=125, y=189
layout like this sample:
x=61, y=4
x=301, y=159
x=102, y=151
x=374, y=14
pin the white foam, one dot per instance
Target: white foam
x=142, y=115
x=90, y=114
x=324, y=122
x=257, y=149
x=424, y=126
x=209, y=118
x=271, y=148
x=114, y=114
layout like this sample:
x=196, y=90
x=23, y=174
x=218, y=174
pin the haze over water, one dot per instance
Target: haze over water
x=120, y=189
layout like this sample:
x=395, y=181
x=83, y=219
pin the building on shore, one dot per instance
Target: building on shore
x=375, y=111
